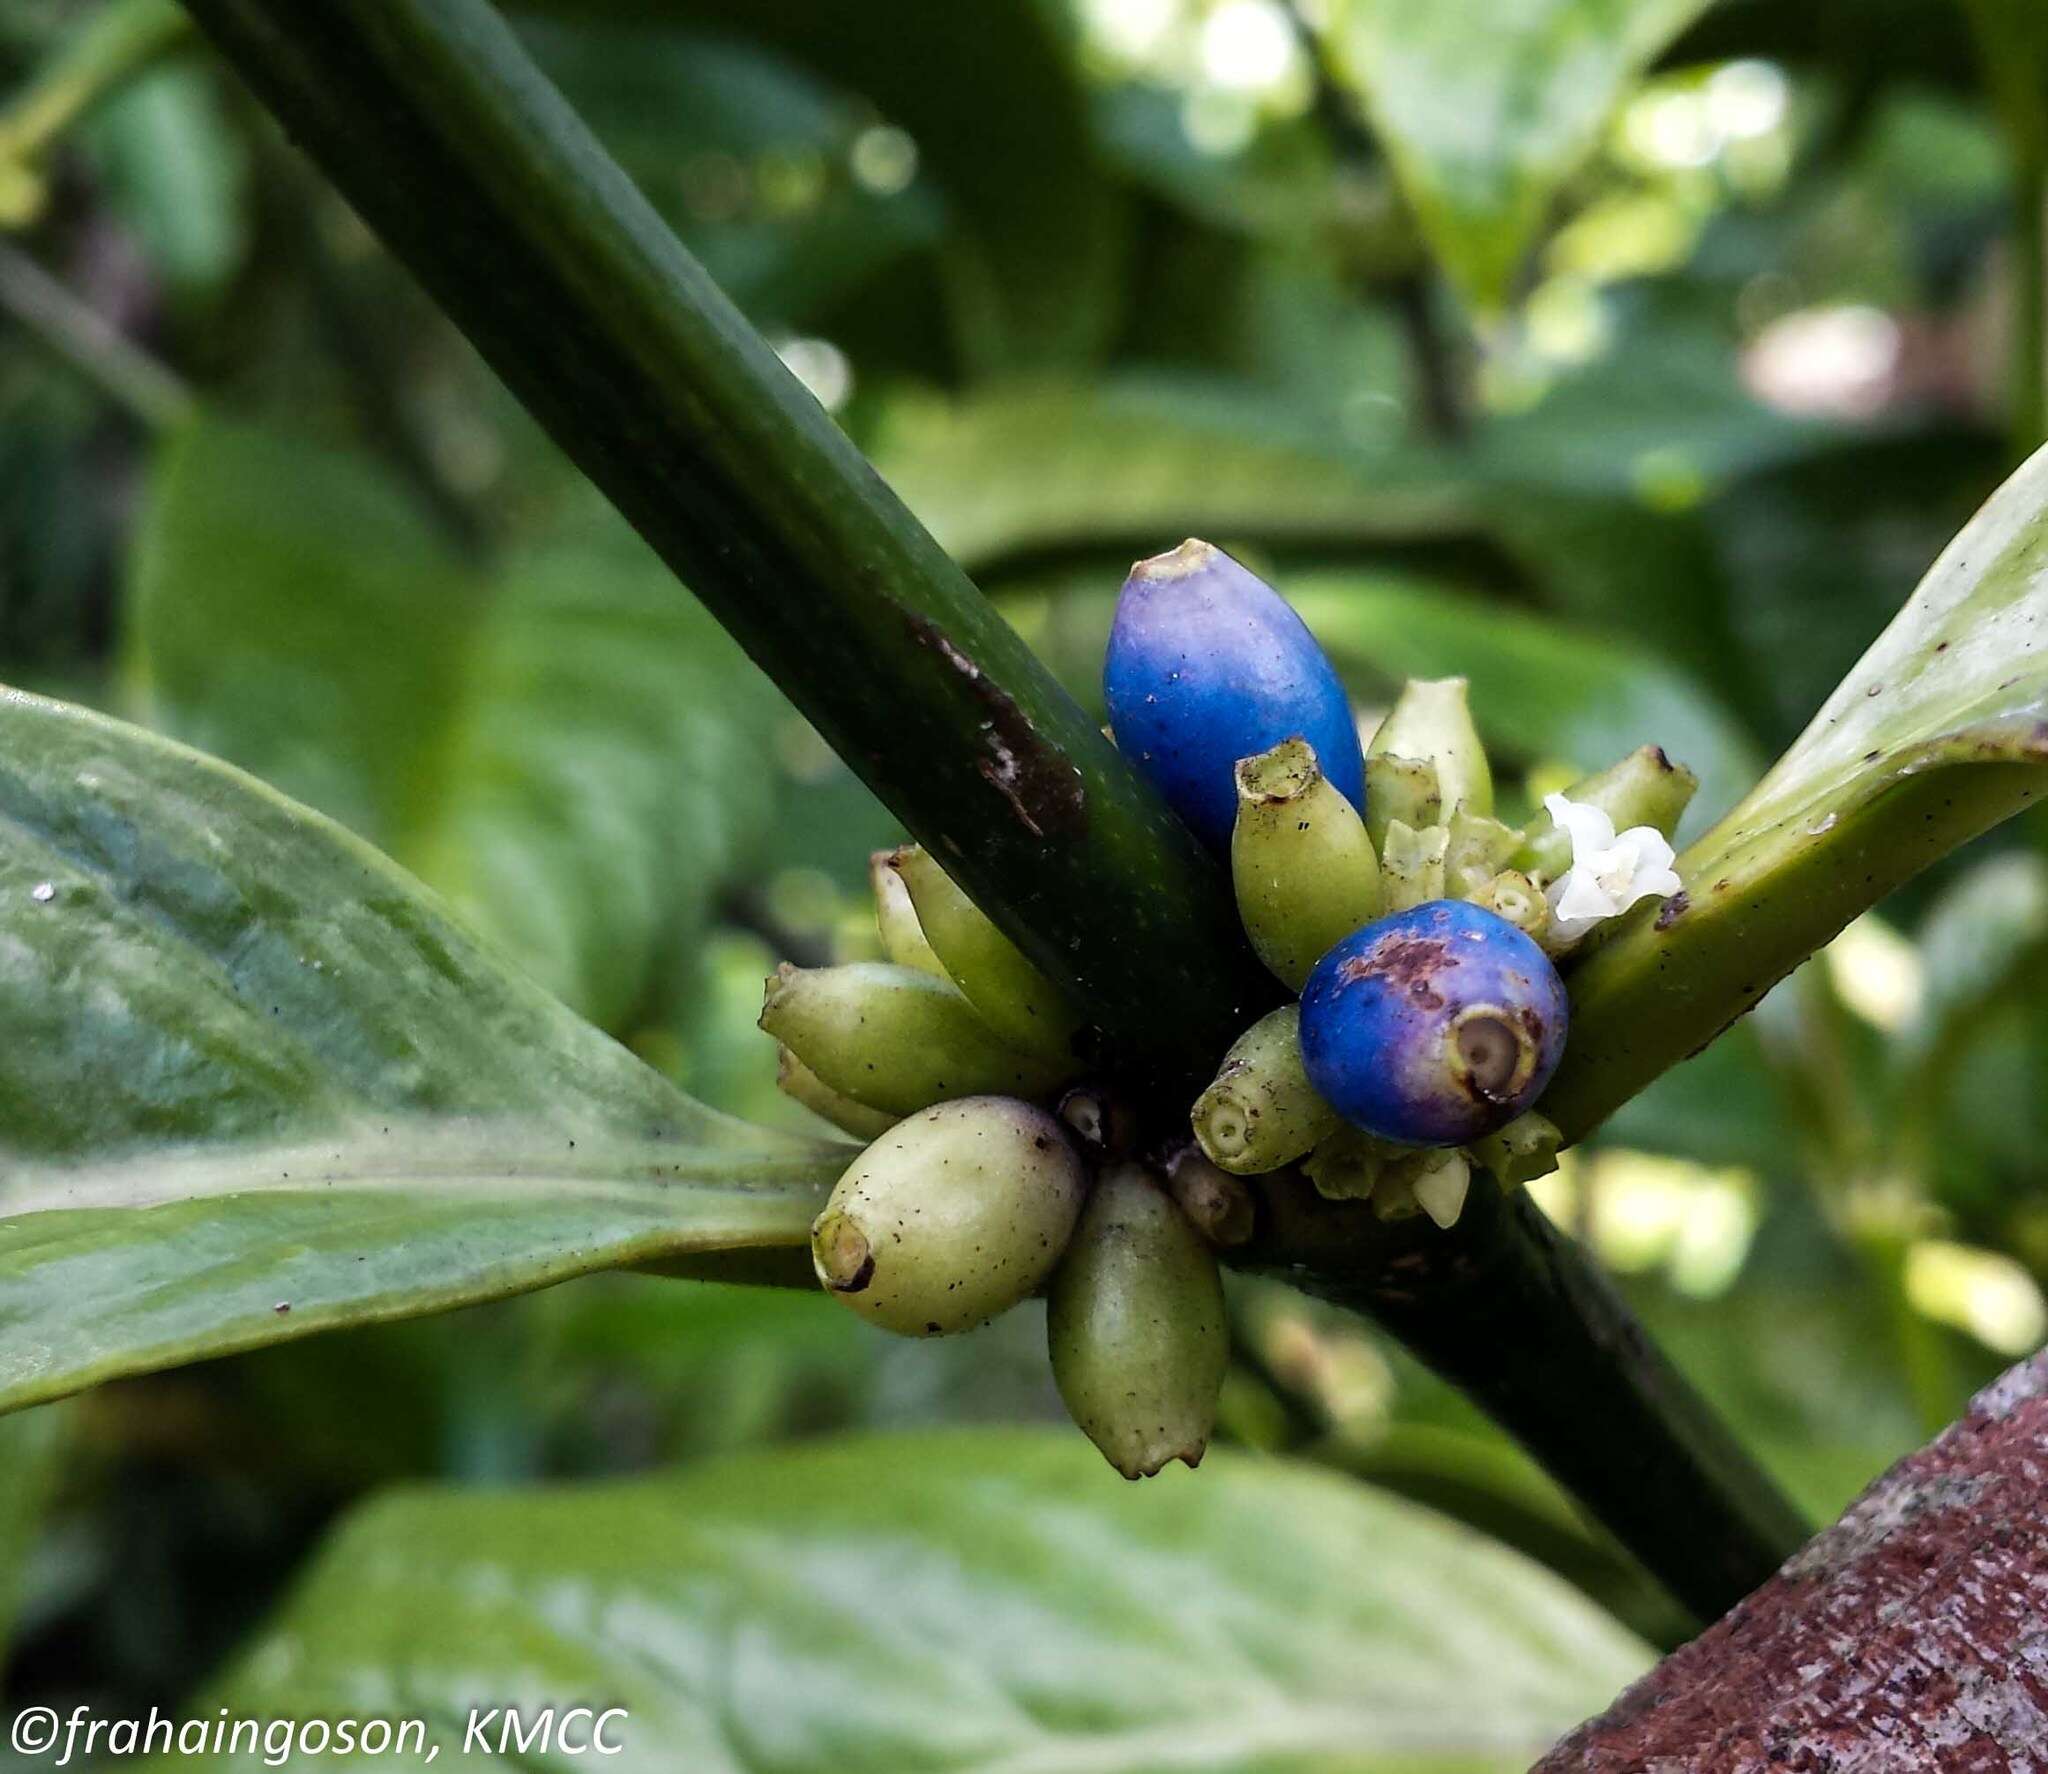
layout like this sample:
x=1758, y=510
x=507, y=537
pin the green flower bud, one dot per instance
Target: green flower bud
x=951, y=1217
x=799, y=1083
x=1217, y=1204
x=1008, y=992
x=1412, y=866
x=1136, y=1328
x=895, y=1039
x=1403, y=789
x=896, y=922
x=1300, y=860
x=1520, y=1152
x=1512, y=896
x=1346, y=1166
x=1476, y=848
x=1262, y=1112
x=1431, y=720
x=1644, y=788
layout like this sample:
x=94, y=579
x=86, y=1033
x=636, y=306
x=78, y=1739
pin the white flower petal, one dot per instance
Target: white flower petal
x=1589, y=828
x=1581, y=895
x=1653, y=849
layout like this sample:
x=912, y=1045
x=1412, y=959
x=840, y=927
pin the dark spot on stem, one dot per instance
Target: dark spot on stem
x=1673, y=909
x=1044, y=789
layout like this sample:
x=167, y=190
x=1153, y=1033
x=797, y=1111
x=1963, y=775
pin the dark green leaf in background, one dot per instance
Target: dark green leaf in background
x=990, y=1600
x=572, y=752
x=31, y=1449
x=1487, y=107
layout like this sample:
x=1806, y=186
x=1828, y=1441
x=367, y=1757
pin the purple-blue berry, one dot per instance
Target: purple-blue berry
x=1207, y=664
x=1433, y=1027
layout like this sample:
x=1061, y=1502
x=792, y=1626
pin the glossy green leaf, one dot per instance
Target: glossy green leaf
x=1044, y=465
x=566, y=747
x=1940, y=732
x=1487, y=107
x=182, y=1255
x=207, y=984
x=969, y=1600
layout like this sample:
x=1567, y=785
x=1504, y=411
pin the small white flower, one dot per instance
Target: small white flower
x=1608, y=873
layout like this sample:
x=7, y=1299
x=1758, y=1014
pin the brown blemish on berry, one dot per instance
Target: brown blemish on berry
x=1409, y=964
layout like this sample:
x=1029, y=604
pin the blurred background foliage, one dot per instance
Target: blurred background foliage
x=1631, y=359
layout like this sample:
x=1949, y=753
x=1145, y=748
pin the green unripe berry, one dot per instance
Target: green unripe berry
x=903, y=938
x=951, y=1217
x=1135, y=1325
x=1007, y=991
x=1300, y=861
x=800, y=1084
x=1262, y=1112
x=894, y=1038
x=1430, y=720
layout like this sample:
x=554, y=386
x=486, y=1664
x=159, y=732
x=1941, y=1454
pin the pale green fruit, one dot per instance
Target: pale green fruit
x=1007, y=991
x=1262, y=1112
x=895, y=1038
x=800, y=1084
x=903, y=938
x=951, y=1217
x=1300, y=861
x=1135, y=1324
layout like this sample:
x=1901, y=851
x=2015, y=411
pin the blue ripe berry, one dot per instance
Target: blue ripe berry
x=1208, y=664
x=1433, y=1027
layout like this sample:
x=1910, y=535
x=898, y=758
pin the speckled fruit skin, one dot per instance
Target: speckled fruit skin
x=1434, y=1026
x=951, y=1217
x=1208, y=664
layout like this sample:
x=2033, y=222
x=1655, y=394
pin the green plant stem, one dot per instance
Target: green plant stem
x=1625, y=1433
x=117, y=43
x=114, y=364
x=434, y=124
x=437, y=127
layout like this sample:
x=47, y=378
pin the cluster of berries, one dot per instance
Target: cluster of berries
x=1420, y=932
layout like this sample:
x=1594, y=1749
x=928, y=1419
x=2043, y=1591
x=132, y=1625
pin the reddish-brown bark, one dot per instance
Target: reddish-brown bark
x=1912, y=1635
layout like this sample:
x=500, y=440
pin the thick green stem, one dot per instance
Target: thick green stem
x=1624, y=1433
x=436, y=127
